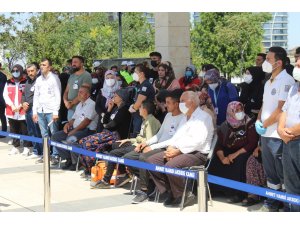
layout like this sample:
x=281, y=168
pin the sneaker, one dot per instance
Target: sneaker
x=10, y=142
x=121, y=181
x=14, y=151
x=140, y=197
x=33, y=156
x=40, y=160
x=266, y=208
x=26, y=151
x=84, y=174
x=101, y=184
x=54, y=160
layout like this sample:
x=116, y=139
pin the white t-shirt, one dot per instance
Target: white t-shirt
x=273, y=93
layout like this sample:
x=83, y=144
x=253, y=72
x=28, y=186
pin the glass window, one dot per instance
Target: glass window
x=266, y=25
x=280, y=25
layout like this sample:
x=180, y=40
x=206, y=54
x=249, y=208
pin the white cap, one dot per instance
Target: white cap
x=130, y=63
x=96, y=64
x=124, y=63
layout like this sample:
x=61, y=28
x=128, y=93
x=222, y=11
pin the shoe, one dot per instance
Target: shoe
x=26, y=151
x=234, y=199
x=121, y=181
x=54, y=160
x=84, y=174
x=10, y=142
x=173, y=202
x=33, y=156
x=101, y=184
x=189, y=199
x=40, y=160
x=140, y=197
x=266, y=208
x=249, y=201
x=68, y=163
x=14, y=151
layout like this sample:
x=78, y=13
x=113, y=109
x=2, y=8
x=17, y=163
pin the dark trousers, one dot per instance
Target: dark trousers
x=118, y=152
x=62, y=136
x=136, y=123
x=141, y=173
x=166, y=182
x=291, y=169
x=18, y=127
x=3, y=117
x=33, y=129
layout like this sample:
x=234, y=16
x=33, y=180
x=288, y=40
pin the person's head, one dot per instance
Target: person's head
x=235, y=114
x=69, y=62
x=114, y=68
x=253, y=75
x=297, y=54
x=17, y=71
x=124, y=65
x=205, y=68
x=212, y=78
x=45, y=66
x=173, y=99
x=110, y=78
x=36, y=65
x=190, y=71
x=296, y=71
x=31, y=71
x=77, y=63
x=121, y=96
x=260, y=58
x=84, y=92
x=275, y=60
x=140, y=73
x=163, y=70
x=146, y=108
x=96, y=65
x=155, y=58
x=189, y=101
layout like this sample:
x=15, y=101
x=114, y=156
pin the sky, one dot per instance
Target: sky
x=293, y=30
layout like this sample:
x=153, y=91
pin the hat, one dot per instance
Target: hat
x=109, y=72
x=123, y=94
x=212, y=75
x=130, y=63
x=124, y=63
x=96, y=64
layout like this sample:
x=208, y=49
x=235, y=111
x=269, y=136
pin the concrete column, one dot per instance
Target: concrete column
x=172, y=39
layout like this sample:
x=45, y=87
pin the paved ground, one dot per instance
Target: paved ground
x=21, y=190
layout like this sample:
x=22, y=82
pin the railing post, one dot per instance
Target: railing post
x=202, y=195
x=47, y=189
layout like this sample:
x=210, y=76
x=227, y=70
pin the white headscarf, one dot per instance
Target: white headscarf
x=109, y=91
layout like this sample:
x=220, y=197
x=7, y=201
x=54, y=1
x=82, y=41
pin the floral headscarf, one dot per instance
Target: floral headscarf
x=107, y=91
x=230, y=114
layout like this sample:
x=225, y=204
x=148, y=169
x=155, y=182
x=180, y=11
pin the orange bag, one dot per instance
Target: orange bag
x=98, y=171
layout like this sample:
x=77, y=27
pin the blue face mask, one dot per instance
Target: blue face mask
x=188, y=73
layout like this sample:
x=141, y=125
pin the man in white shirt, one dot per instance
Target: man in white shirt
x=156, y=144
x=46, y=102
x=82, y=124
x=275, y=94
x=189, y=146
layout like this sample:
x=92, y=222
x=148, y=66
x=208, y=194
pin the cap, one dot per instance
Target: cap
x=96, y=64
x=124, y=63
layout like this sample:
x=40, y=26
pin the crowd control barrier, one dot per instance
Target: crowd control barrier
x=200, y=176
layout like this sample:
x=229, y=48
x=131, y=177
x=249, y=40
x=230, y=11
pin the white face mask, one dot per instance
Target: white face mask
x=95, y=80
x=240, y=115
x=296, y=73
x=16, y=74
x=213, y=86
x=201, y=74
x=110, y=82
x=248, y=78
x=135, y=76
x=267, y=67
x=183, y=108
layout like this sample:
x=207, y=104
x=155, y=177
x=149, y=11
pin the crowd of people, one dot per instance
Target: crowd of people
x=143, y=112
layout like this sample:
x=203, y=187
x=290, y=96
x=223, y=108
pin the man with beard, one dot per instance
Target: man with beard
x=79, y=77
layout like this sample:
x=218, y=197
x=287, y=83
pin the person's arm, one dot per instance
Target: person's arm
x=232, y=92
x=57, y=93
x=65, y=97
x=84, y=123
x=273, y=118
x=119, y=118
x=151, y=129
x=139, y=102
x=7, y=99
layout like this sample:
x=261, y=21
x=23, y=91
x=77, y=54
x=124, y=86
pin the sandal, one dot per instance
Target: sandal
x=249, y=201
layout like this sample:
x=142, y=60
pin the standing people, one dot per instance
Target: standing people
x=79, y=77
x=3, y=80
x=275, y=94
x=46, y=103
x=260, y=58
x=155, y=58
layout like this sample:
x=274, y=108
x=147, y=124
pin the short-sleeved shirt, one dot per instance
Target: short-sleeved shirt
x=75, y=81
x=145, y=89
x=273, y=93
x=292, y=106
x=86, y=110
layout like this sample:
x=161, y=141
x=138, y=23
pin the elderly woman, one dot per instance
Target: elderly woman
x=237, y=139
x=221, y=93
x=190, y=79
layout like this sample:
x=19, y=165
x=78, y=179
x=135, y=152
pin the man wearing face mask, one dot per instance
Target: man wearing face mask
x=289, y=131
x=79, y=77
x=15, y=113
x=155, y=58
x=275, y=94
x=190, y=79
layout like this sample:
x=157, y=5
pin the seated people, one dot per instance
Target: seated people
x=150, y=127
x=116, y=124
x=190, y=79
x=189, y=146
x=166, y=79
x=237, y=139
x=156, y=144
x=82, y=124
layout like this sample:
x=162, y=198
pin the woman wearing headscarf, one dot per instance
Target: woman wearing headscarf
x=237, y=139
x=110, y=86
x=252, y=90
x=221, y=93
x=190, y=79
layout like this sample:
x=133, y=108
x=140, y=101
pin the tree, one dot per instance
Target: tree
x=228, y=40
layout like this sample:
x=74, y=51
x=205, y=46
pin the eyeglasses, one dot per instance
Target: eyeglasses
x=15, y=71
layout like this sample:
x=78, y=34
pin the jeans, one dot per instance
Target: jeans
x=136, y=123
x=34, y=130
x=291, y=169
x=272, y=162
x=44, y=119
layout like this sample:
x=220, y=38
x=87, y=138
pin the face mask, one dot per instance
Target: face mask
x=267, y=67
x=16, y=74
x=213, y=86
x=183, y=108
x=248, y=78
x=154, y=63
x=95, y=80
x=135, y=76
x=296, y=73
x=110, y=82
x=188, y=73
x=201, y=74
x=120, y=83
x=240, y=115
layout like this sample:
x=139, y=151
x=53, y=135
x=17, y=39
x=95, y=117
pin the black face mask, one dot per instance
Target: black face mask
x=154, y=63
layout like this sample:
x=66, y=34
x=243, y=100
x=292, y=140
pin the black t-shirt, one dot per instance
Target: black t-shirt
x=152, y=76
x=145, y=89
x=3, y=80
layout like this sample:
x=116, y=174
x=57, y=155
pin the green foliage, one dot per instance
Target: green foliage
x=228, y=40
